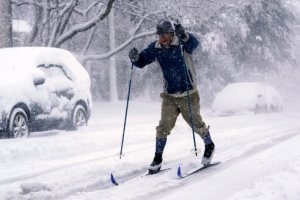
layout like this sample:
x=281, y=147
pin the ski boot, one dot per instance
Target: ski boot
x=156, y=164
x=208, y=154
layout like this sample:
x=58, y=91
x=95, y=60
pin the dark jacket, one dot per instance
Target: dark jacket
x=171, y=63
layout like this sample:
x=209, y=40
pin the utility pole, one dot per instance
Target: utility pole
x=6, y=24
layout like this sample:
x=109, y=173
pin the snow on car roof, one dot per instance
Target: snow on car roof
x=237, y=96
x=21, y=59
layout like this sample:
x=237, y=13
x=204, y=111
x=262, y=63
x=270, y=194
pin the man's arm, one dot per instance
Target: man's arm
x=146, y=57
x=190, y=43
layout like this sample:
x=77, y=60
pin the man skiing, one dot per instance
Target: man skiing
x=167, y=53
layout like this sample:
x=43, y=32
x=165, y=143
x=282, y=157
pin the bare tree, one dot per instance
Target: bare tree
x=56, y=16
x=113, y=93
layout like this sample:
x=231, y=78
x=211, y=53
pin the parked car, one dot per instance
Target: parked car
x=42, y=89
x=239, y=98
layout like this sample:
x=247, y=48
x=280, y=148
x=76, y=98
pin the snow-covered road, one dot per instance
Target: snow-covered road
x=260, y=158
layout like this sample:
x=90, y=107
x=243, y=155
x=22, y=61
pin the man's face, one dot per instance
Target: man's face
x=166, y=39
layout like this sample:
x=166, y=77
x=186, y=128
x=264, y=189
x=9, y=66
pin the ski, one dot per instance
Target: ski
x=153, y=173
x=114, y=182
x=195, y=170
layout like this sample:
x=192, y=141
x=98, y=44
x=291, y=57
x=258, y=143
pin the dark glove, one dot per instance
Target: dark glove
x=179, y=31
x=133, y=54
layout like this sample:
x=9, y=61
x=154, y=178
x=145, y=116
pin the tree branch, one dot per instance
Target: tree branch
x=35, y=28
x=86, y=11
x=66, y=16
x=118, y=49
x=84, y=26
x=89, y=41
x=28, y=2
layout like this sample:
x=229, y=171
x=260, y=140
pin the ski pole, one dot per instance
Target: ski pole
x=126, y=111
x=188, y=95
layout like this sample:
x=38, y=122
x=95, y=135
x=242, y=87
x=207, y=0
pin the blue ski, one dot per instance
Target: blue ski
x=197, y=169
x=113, y=180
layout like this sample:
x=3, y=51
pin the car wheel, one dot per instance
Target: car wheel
x=274, y=109
x=18, y=126
x=260, y=109
x=256, y=109
x=265, y=109
x=79, y=117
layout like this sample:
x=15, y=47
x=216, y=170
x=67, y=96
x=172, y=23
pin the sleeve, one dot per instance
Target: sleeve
x=190, y=43
x=146, y=57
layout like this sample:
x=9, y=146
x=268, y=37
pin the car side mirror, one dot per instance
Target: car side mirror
x=38, y=76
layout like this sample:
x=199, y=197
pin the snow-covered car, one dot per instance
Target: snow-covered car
x=42, y=89
x=247, y=97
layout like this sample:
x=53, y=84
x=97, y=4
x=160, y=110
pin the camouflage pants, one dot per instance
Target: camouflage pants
x=172, y=107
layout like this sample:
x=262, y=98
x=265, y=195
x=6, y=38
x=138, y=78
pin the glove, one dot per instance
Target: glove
x=179, y=31
x=133, y=54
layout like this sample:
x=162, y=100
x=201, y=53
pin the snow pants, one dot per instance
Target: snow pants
x=172, y=107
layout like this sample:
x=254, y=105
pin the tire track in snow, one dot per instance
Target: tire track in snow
x=247, y=153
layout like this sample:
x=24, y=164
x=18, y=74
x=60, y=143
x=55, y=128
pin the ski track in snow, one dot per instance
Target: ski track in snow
x=77, y=165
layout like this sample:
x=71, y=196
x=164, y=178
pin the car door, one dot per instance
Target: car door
x=57, y=108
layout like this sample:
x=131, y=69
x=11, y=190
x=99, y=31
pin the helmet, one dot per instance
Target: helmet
x=164, y=26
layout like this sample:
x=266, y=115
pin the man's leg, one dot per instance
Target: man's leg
x=157, y=160
x=169, y=114
x=199, y=126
